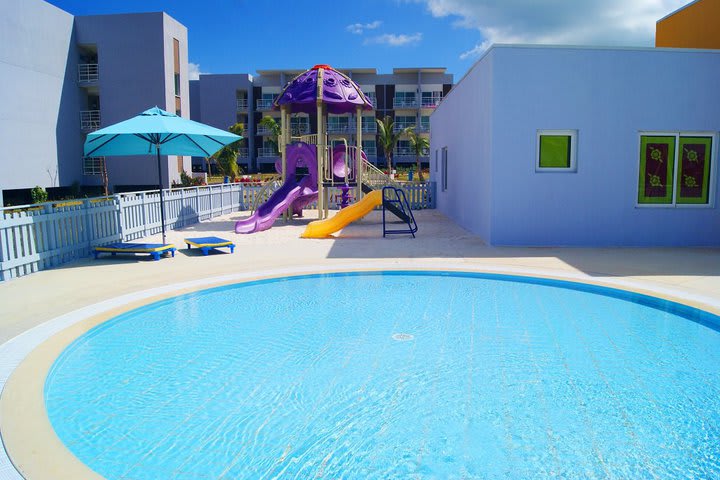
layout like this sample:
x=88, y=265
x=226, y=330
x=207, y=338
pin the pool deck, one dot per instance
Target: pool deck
x=690, y=275
x=45, y=303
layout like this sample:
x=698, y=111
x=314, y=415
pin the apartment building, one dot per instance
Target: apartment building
x=83, y=73
x=408, y=95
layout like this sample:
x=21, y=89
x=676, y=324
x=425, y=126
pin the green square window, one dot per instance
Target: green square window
x=556, y=150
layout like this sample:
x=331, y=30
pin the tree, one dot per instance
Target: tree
x=226, y=157
x=272, y=125
x=388, y=138
x=420, y=146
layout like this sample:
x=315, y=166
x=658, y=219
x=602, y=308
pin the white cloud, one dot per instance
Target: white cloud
x=395, y=40
x=359, y=28
x=194, y=71
x=577, y=22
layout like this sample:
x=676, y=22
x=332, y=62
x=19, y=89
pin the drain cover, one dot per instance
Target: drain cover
x=403, y=337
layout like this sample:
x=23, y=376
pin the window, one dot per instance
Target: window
x=444, y=184
x=675, y=169
x=404, y=99
x=424, y=123
x=556, y=150
x=431, y=99
x=93, y=165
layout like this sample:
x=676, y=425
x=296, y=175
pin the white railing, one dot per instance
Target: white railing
x=373, y=98
x=338, y=127
x=265, y=152
x=243, y=153
x=424, y=127
x=300, y=129
x=242, y=103
x=431, y=102
x=369, y=127
x=88, y=72
x=370, y=151
x=262, y=130
x=42, y=236
x=397, y=127
x=89, y=120
x=264, y=104
x=405, y=103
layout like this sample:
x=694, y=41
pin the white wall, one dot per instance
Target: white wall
x=463, y=123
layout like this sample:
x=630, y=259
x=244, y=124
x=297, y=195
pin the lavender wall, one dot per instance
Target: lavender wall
x=608, y=96
x=135, y=58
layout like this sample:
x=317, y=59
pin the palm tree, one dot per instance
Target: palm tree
x=419, y=145
x=272, y=125
x=226, y=158
x=388, y=138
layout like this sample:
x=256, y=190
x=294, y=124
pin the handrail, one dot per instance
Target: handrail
x=375, y=177
x=264, y=192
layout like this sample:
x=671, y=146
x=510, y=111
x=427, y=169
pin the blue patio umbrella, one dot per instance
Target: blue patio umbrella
x=153, y=131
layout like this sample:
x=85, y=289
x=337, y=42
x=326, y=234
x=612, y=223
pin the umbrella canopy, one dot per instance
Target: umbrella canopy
x=155, y=131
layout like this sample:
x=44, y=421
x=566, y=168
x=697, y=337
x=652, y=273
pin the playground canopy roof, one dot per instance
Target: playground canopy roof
x=322, y=83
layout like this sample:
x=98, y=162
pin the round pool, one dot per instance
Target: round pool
x=395, y=375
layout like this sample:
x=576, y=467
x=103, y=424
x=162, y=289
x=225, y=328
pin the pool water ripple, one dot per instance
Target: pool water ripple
x=390, y=376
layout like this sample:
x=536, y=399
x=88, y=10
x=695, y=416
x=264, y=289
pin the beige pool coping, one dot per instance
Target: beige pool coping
x=686, y=275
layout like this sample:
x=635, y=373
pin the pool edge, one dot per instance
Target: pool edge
x=29, y=435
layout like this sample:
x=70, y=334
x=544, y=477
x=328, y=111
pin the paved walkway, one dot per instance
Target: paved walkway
x=691, y=275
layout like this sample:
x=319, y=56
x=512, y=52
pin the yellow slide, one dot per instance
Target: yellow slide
x=323, y=228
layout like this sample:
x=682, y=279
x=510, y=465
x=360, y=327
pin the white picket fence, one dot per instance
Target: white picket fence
x=42, y=236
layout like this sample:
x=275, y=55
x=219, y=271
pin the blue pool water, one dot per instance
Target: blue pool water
x=395, y=375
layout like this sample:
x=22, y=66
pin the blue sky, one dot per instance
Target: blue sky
x=239, y=36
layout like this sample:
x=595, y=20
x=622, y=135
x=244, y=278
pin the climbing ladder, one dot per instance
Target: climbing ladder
x=394, y=198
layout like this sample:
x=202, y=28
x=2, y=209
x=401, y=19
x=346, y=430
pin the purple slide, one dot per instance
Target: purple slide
x=292, y=194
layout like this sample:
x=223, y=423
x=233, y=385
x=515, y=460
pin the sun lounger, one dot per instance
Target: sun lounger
x=154, y=249
x=208, y=243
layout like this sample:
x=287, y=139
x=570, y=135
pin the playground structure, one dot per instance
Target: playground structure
x=320, y=91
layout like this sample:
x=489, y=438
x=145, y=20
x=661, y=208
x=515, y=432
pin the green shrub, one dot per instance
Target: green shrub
x=38, y=194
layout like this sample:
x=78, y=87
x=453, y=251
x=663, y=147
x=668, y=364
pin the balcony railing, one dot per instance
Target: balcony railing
x=373, y=98
x=264, y=104
x=89, y=120
x=88, y=72
x=431, y=102
x=424, y=127
x=265, y=152
x=405, y=103
x=370, y=151
x=338, y=128
x=369, y=127
x=300, y=129
x=402, y=126
x=242, y=103
x=407, y=152
x=243, y=153
x=262, y=130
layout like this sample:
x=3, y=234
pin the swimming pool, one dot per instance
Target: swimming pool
x=391, y=375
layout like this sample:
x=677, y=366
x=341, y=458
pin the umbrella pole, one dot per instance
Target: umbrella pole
x=160, y=186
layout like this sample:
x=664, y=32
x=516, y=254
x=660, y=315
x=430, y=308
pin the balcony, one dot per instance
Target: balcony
x=431, y=102
x=423, y=128
x=262, y=130
x=267, y=152
x=242, y=104
x=88, y=73
x=405, y=103
x=338, y=128
x=89, y=120
x=372, y=97
x=397, y=127
x=264, y=104
x=243, y=153
x=369, y=127
x=300, y=129
x=370, y=151
x=407, y=152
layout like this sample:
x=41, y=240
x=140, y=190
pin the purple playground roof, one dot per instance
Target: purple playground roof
x=337, y=91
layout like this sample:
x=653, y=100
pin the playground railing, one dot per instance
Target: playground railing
x=46, y=235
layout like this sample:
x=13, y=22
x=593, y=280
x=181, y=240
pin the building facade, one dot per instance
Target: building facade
x=553, y=146
x=690, y=27
x=66, y=76
x=408, y=95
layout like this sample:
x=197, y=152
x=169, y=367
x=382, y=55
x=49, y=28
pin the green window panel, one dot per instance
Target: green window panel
x=657, y=162
x=555, y=151
x=693, y=180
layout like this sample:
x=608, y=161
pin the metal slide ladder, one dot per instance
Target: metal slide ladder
x=395, y=197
